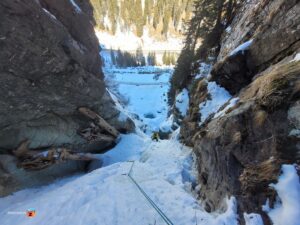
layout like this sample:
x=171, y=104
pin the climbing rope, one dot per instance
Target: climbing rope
x=158, y=210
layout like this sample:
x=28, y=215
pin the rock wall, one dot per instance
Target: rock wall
x=49, y=67
x=240, y=153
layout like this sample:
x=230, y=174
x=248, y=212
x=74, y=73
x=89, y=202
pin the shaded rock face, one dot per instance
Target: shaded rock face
x=49, y=67
x=240, y=153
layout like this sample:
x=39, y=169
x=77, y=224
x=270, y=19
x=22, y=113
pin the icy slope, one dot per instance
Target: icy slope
x=107, y=196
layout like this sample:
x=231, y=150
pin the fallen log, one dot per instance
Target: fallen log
x=91, y=135
x=54, y=156
x=99, y=121
x=23, y=150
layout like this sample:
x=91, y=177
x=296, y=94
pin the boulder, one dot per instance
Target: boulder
x=49, y=68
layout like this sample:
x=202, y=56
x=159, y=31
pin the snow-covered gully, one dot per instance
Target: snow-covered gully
x=163, y=170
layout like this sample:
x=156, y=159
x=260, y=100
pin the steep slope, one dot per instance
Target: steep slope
x=161, y=18
x=107, y=196
x=243, y=119
x=50, y=66
x=151, y=25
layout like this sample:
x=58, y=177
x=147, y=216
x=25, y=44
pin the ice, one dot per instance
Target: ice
x=77, y=8
x=182, y=102
x=253, y=219
x=242, y=47
x=297, y=57
x=49, y=13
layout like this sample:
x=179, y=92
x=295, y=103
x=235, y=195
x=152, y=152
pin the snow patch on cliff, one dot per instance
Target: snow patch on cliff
x=77, y=8
x=182, y=102
x=218, y=96
x=287, y=208
x=242, y=47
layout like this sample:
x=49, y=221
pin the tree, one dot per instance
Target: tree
x=120, y=59
x=140, y=59
x=151, y=59
x=164, y=58
x=208, y=23
x=113, y=57
x=139, y=21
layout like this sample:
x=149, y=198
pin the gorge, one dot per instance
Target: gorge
x=87, y=84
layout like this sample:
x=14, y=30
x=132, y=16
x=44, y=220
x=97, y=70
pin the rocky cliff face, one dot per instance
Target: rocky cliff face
x=49, y=67
x=241, y=152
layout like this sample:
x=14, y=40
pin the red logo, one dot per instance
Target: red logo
x=30, y=213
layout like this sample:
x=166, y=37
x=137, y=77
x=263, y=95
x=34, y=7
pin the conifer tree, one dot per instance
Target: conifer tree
x=164, y=58
x=139, y=21
x=112, y=56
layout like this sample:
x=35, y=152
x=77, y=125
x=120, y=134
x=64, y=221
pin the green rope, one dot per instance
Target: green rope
x=158, y=210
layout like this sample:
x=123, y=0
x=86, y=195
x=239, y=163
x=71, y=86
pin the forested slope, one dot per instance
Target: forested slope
x=160, y=17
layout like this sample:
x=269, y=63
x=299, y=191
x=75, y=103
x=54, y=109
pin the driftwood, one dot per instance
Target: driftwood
x=23, y=150
x=53, y=156
x=37, y=160
x=99, y=121
x=92, y=135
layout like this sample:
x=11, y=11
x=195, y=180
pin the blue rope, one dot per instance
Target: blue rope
x=164, y=217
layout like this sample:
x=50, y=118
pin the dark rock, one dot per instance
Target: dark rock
x=233, y=73
x=60, y=71
x=241, y=153
x=276, y=37
x=94, y=164
x=13, y=178
x=149, y=116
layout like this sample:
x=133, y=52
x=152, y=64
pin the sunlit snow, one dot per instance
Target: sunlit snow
x=287, y=208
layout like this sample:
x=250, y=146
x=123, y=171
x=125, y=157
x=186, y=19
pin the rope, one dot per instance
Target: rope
x=157, y=209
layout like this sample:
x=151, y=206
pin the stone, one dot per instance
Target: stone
x=50, y=67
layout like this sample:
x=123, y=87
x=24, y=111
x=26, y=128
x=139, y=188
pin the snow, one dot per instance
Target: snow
x=287, y=208
x=107, y=196
x=77, y=8
x=166, y=126
x=218, y=97
x=253, y=219
x=297, y=57
x=49, y=13
x=242, y=47
x=228, y=29
x=146, y=90
x=129, y=148
x=231, y=104
x=128, y=41
x=204, y=70
x=165, y=170
x=124, y=114
x=182, y=102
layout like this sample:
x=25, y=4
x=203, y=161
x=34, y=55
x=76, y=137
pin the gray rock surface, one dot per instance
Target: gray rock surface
x=49, y=67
